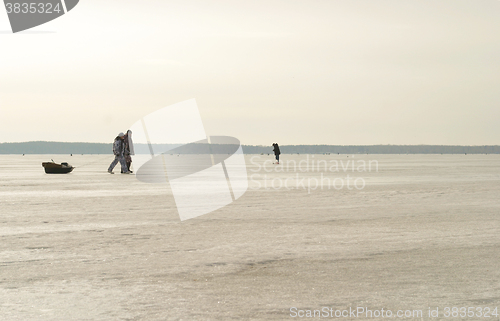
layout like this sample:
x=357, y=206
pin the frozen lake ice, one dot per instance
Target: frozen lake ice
x=423, y=231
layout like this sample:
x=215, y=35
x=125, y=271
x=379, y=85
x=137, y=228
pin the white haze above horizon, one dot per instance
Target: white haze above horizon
x=341, y=72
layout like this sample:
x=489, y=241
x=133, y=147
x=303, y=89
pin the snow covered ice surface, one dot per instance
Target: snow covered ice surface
x=422, y=232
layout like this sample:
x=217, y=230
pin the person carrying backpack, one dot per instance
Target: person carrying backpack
x=118, y=151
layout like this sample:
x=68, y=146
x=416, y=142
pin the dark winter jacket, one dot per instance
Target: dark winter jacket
x=118, y=146
x=276, y=149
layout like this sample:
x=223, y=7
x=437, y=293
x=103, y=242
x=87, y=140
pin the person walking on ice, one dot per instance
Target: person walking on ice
x=128, y=147
x=277, y=152
x=118, y=151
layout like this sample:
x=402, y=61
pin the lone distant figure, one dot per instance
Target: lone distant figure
x=118, y=150
x=128, y=149
x=277, y=152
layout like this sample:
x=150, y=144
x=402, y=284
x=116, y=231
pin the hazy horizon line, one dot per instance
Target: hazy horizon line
x=62, y=142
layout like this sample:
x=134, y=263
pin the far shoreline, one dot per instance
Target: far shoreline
x=58, y=148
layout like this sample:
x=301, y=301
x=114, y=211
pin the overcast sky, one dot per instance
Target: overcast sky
x=296, y=72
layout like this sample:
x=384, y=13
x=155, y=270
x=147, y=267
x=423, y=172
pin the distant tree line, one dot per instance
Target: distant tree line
x=55, y=148
x=375, y=149
x=101, y=148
